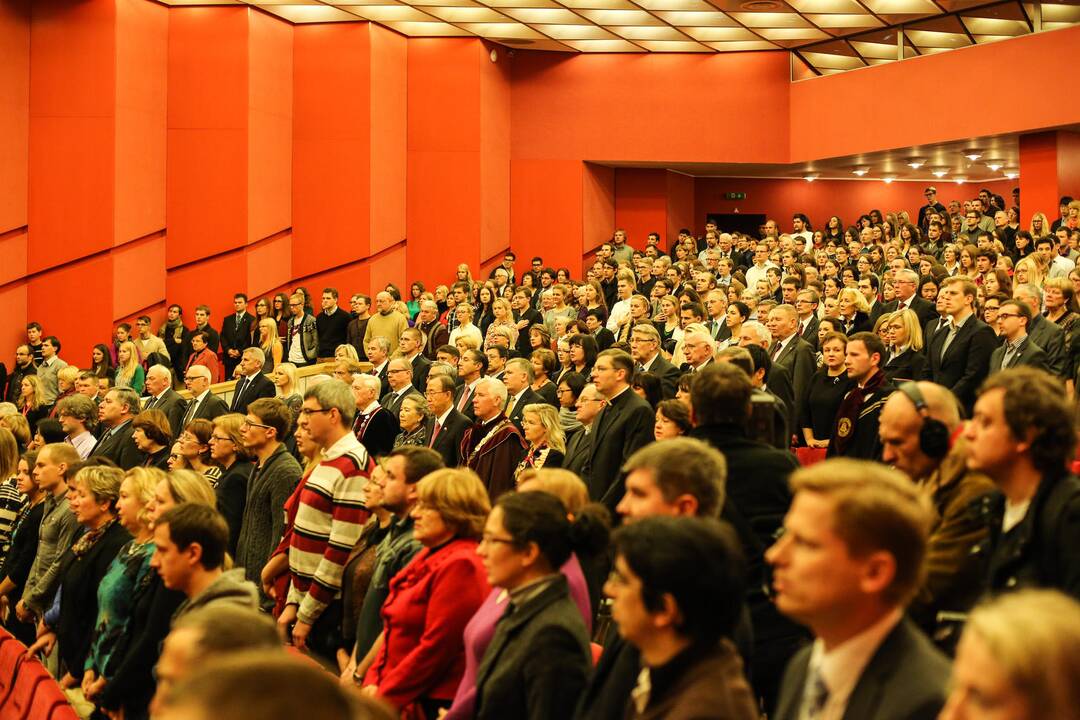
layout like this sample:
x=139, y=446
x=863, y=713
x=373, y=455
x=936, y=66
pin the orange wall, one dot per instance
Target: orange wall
x=14, y=112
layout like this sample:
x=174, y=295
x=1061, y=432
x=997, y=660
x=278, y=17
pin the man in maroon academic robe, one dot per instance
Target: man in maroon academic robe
x=492, y=447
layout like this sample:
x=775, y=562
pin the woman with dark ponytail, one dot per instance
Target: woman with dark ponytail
x=527, y=648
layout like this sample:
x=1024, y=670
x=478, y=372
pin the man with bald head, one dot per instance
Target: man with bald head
x=204, y=404
x=387, y=322
x=915, y=427
x=493, y=447
x=164, y=398
x=399, y=374
x=791, y=352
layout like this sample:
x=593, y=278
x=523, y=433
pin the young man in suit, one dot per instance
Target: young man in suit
x=1012, y=320
x=236, y=333
x=203, y=404
x=958, y=356
x=518, y=378
x=625, y=425
x=846, y=566
x=806, y=303
x=252, y=384
x=447, y=425
x=164, y=398
x=410, y=346
x=116, y=412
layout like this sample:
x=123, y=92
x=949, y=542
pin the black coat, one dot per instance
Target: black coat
x=211, y=407
x=669, y=376
x=621, y=428
x=391, y=401
x=253, y=389
x=421, y=367
x=377, y=435
x=235, y=335
x=448, y=442
x=798, y=359
x=905, y=679
x=78, y=599
x=174, y=408
x=966, y=362
x=528, y=397
x=923, y=309
x=578, y=449
x=120, y=447
x=1030, y=354
x=908, y=365
x=538, y=661
x=1051, y=338
x=231, y=491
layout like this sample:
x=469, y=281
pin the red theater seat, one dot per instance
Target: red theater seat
x=30, y=675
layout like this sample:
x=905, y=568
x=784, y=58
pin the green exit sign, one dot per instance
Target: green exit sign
x=735, y=196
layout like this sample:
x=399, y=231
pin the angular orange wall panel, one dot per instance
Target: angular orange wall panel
x=546, y=198
x=494, y=152
x=598, y=205
x=640, y=203
x=270, y=89
x=679, y=205
x=13, y=309
x=206, y=192
x=268, y=264
x=388, y=267
x=142, y=39
x=75, y=290
x=331, y=146
x=389, y=124
x=14, y=113
x=138, y=270
x=72, y=95
x=13, y=246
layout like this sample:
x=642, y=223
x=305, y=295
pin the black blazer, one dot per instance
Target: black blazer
x=966, y=362
x=120, y=447
x=799, y=361
x=236, y=335
x=548, y=392
x=1030, y=354
x=529, y=397
x=860, y=322
x=622, y=427
x=578, y=449
x=669, y=376
x=421, y=367
x=905, y=680
x=604, y=338
x=392, y=401
x=1051, y=338
x=384, y=378
x=448, y=442
x=378, y=436
x=212, y=407
x=908, y=365
x=538, y=661
x=258, y=387
x=78, y=600
x=174, y=408
x=923, y=309
x=778, y=383
x=809, y=333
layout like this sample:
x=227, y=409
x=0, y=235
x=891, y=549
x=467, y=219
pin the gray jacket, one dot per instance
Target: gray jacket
x=269, y=486
x=57, y=533
x=231, y=587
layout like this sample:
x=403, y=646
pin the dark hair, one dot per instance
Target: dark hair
x=52, y=340
x=50, y=430
x=419, y=461
x=191, y=523
x=588, y=344
x=275, y=413
x=541, y=518
x=677, y=412
x=479, y=358
x=694, y=307
x=155, y=425
x=575, y=381
x=650, y=383
x=1035, y=406
x=697, y=562
x=873, y=344
x=448, y=350
x=760, y=357
x=743, y=308
x=500, y=350
x=720, y=393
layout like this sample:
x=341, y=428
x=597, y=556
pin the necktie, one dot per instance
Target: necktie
x=802, y=327
x=435, y=433
x=776, y=350
x=191, y=410
x=950, y=329
x=466, y=393
x=510, y=406
x=817, y=694
x=150, y=405
x=1010, y=354
x=240, y=387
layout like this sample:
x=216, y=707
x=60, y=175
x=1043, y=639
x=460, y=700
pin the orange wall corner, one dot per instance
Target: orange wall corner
x=389, y=141
x=14, y=112
x=269, y=122
x=138, y=272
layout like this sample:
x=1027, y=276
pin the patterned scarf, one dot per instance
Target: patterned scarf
x=89, y=539
x=848, y=414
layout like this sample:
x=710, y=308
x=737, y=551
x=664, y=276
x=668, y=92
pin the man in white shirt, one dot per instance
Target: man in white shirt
x=800, y=225
x=50, y=366
x=847, y=564
x=76, y=414
x=758, y=271
x=620, y=311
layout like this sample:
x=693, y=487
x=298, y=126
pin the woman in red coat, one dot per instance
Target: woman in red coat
x=420, y=656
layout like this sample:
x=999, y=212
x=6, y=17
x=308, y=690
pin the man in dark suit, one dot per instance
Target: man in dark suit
x=594, y=324
x=625, y=425
x=855, y=596
x=1044, y=333
x=472, y=366
x=410, y=345
x=116, y=412
x=203, y=404
x=645, y=350
x=447, y=425
x=868, y=288
x=791, y=352
x=378, y=350
x=252, y=384
x=579, y=445
x=806, y=303
x=236, y=334
x=959, y=356
x=374, y=426
x=1013, y=319
x=716, y=308
x=906, y=283
x=518, y=377
x=400, y=374
x=164, y=398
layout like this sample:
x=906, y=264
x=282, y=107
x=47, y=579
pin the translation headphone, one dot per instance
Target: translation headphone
x=933, y=435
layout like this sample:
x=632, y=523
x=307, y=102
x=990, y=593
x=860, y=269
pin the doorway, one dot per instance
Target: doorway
x=745, y=223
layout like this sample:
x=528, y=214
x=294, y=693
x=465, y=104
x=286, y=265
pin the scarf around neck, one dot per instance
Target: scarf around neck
x=848, y=414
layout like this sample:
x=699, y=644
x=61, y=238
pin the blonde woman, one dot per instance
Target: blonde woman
x=1028, y=271
x=32, y=401
x=904, y=339
x=547, y=441
x=129, y=373
x=270, y=344
x=854, y=312
x=466, y=328
x=1019, y=658
x=127, y=571
x=503, y=316
x=346, y=352
x=288, y=389
x=1040, y=226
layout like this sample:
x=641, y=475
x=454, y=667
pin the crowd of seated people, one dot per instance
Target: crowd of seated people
x=808, y=474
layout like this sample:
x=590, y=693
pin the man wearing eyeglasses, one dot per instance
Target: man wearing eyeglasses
x=1012, y=322
x=204, y=404
x=399, y=374
x=446, y=426
x=272, y=480
x=645, y=350
x=932, y=205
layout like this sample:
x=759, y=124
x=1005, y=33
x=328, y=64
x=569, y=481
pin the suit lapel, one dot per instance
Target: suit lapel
x=865, y=698
x=607, y=416
x=507, y=627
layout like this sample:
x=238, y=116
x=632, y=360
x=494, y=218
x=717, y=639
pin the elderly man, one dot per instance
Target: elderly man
x=906, y=283
x=203, y=404
x=378, y=352
x=698, y=347
x=387, y=322
x=579, y=446
x=915, y=428
x=846, y=566
x=518, y=378
x=645, y=350
x=435, y=333
x=375, y=426
x=791, y=352
x=252, y=384
x=493, y=446
x=116, y=412
x=446, y=426
x=164, y=398
x=400, y=375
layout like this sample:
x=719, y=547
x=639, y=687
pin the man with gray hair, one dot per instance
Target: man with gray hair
x=1044, y=333
x=906, y=284
x=253, y=384
x=204, y=404
x=164, y=398
x=578, y=448
x=375, y=426
x=116, y=413
x=645, y=349
x=518, y=378
x=698, y=347
x=435, y=333
x=329, y=518
x=378, y=352
x=399, y=374
x=754, y=333
x=791, y=352
x=493, y=447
